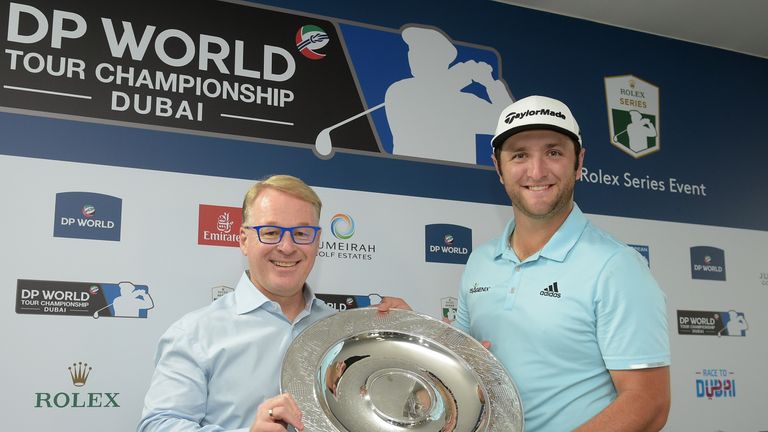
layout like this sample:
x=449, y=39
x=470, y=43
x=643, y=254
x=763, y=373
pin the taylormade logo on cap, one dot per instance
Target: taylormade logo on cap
x=532, y=113
x=515, y=115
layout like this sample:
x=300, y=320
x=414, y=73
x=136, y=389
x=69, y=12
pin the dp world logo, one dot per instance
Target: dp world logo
x=89, y=211
x=87, y=215
x=346, y=301
x=707, y=263
x=342, y=226
x=446, y=243
x=309, y=40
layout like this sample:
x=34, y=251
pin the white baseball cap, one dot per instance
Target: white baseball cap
x=536, y=112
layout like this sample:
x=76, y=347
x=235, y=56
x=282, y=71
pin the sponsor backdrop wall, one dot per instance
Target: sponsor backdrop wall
x=130, y=132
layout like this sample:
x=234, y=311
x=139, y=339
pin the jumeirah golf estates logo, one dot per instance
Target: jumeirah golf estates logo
x=633, y=115
x=342, y=226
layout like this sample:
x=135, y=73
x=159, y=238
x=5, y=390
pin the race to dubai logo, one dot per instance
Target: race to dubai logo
x=709, y=323
x=447, y=243
x=715, y=384
x=707, y=263
x=309, y=40
x=87, y=215
x=633, y=115
x=123, y=299
x=343, y=228
x=219, y=225
x=78, y=374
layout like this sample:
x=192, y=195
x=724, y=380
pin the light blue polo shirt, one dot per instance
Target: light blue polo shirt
x=562, y=318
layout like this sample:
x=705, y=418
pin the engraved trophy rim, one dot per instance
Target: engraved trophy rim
x=362, y=370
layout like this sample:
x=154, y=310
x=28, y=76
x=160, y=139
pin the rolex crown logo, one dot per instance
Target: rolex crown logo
x=79, y=373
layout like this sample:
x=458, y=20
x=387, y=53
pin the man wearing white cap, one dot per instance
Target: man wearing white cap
x=575, y=316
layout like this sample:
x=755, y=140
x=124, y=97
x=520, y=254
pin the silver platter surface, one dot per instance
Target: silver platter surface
x=363, y=371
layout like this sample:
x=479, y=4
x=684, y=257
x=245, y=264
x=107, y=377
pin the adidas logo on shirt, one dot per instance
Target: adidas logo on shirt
x=551, y=291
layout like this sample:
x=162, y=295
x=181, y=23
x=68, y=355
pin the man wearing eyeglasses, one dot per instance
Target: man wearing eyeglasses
x=218, y=368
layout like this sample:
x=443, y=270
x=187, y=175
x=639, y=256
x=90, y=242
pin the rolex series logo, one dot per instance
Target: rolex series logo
x=79, y=373
x=633, y=115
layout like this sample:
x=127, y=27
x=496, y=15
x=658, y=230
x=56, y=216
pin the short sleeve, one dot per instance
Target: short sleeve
x=631, y=314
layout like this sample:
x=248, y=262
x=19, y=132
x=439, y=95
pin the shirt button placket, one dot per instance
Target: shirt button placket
x=513, y=285
x=518, y=277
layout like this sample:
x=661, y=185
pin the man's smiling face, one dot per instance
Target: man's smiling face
x=537, y=170
x=279, y=270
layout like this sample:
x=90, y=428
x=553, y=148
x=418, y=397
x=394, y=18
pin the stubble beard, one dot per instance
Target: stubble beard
x=562, y=203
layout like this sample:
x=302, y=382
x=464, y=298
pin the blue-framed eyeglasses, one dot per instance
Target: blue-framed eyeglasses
x=273, y=234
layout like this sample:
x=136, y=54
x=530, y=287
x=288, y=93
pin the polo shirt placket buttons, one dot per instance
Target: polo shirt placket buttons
x=517, y=279
x=511, y=297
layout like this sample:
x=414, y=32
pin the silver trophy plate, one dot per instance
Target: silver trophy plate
x=363, y=371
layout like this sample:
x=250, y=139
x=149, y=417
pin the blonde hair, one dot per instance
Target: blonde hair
x=284, y=183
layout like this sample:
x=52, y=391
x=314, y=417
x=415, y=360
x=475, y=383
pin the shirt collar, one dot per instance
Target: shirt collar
x=557, y=247
x=249, y=298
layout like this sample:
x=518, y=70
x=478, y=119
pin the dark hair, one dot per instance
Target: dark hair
x=576, y=150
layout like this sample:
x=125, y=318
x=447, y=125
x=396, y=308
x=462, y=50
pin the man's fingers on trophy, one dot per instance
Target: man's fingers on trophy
x=388, y=303
x=288, y=411
x=278, y=418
